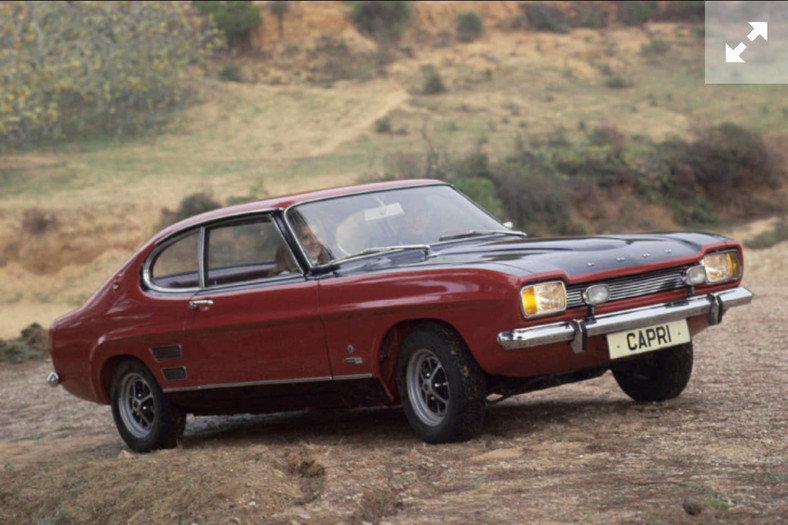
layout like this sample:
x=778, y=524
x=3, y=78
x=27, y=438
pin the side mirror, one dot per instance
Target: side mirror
x=509, y=225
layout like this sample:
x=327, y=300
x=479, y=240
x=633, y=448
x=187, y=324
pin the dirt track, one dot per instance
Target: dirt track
x=579, y=453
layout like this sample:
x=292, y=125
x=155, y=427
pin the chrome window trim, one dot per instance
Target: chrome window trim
x=210, y=222
x=230, y=287
x=201, y=230
x=201, y=255
x=270, y=382
x=147, y=278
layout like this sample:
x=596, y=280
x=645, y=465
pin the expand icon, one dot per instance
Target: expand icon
x=758, y=29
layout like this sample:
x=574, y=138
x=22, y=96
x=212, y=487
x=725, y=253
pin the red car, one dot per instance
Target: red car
x=384, y=294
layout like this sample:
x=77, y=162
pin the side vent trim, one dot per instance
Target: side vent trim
x=164, y=353
x=174, y=374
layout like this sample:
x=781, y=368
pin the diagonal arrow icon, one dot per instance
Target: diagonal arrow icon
x=732, y=55
x=759, y=29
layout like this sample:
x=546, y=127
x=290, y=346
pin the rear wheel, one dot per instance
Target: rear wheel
x=442, y=387
x=145, y=418
x=656, y=376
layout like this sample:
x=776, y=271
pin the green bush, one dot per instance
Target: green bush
x=533, y=195
x=588, y=14
x=432, y=82
x=32, y=344
x=543, y=187
x=727, y=162
x=482, y=191
x=654, y=47
x=616, y=82
x=235, y=18
x=384, y=21
x=383, y=125
x=195, y=204
x=73, y=68
x=635, y=12
x=545, y=17
x=469, y=26
x=231, y=72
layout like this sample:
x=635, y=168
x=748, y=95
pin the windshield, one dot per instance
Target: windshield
x=342, y=227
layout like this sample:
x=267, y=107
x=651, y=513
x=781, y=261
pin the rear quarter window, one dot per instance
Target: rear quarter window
x=176, y=265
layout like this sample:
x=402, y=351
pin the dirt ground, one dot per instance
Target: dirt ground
x=578, y=453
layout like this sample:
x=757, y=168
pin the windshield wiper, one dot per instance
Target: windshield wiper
x=381, y=249
x=479, y=233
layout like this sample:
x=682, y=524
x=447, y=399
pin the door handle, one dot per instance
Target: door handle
x=195, y=305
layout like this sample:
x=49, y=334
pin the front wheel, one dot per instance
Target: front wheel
x=656, y=376
x=145, y=418
x=442, y=387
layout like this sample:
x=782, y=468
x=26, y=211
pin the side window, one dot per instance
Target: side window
x=176, y=266
x=247, y=251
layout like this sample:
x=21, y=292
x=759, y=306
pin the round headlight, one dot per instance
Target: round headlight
x=695, y=275
x=596, y=294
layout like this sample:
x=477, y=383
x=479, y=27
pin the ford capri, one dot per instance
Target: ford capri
x=385, y=294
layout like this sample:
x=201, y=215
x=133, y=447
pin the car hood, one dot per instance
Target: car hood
x=571, y=256
x=575, y=256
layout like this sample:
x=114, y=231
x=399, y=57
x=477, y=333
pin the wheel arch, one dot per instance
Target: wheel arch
x=391, y=347
x=107, y=371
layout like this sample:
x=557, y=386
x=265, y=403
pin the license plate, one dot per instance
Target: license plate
x=648, y=339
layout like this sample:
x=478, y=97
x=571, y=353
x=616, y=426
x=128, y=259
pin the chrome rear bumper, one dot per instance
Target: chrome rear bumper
x=579, y=330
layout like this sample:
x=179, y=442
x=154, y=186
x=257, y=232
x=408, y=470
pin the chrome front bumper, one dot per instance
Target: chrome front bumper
x=577, y=331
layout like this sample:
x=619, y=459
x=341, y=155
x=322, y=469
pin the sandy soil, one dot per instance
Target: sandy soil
x=578, y=453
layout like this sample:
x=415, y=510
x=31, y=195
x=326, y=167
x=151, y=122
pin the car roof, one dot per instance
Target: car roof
x=285, y=201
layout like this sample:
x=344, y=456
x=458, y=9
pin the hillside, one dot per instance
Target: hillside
x=306, y=114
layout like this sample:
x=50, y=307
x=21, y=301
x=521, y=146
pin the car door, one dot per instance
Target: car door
x=254, y=320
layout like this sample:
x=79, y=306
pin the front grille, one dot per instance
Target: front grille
x=631, y=286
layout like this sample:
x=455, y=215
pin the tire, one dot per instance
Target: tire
x=442, y=388
x=656, y=376
x=145, y=418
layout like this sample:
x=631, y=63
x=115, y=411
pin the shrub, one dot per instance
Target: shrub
x=533, y=194
x=195, y=204
x=432, y=82
x=635, y=12
x=545, y=17
x=235, y=18
x=469, y=26
x=383, y=125
x=32, y=344
x=482, y=191
x=71, y=68
x=654, y=47
x=728, y=161
x=616, y=82
x=279, y=8
x=382, y=20
x=609, y=136
x=588, y=14
x=231, y=72
x=37, y=222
